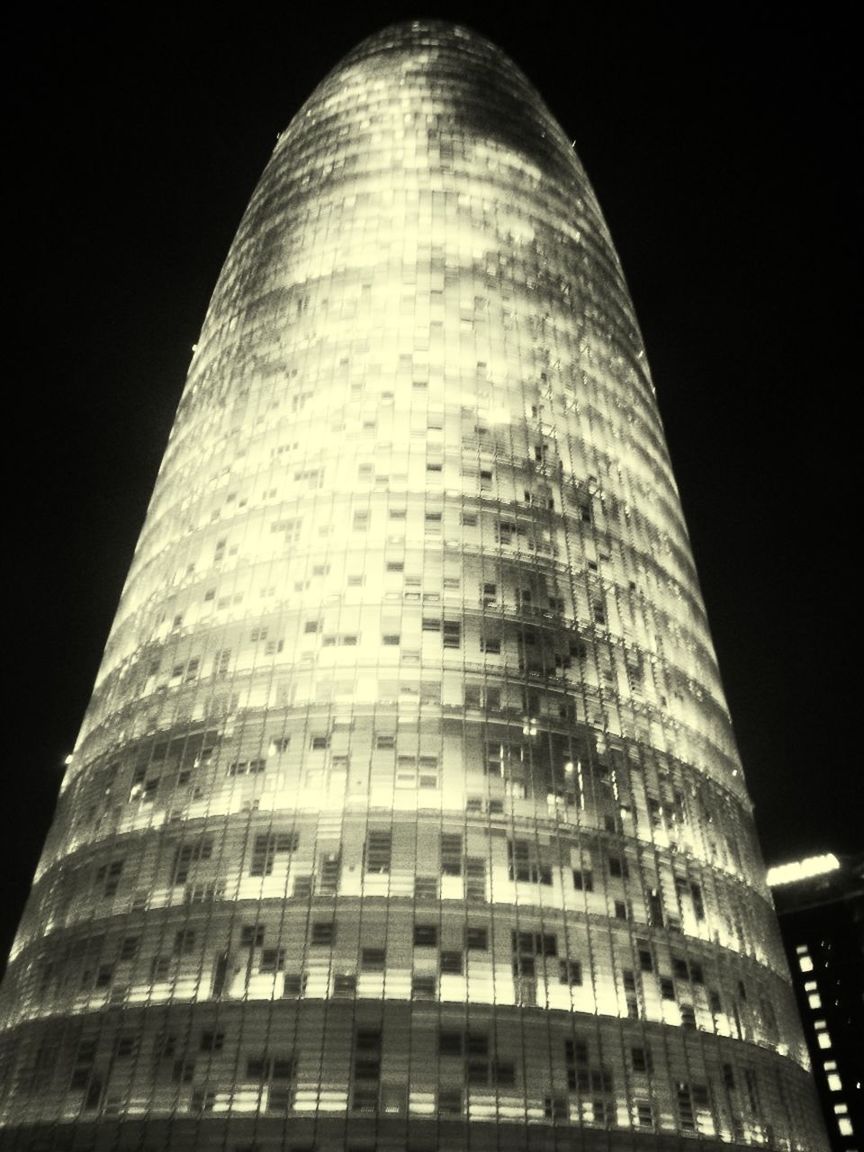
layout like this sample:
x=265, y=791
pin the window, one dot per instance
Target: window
x=378, y=852
x=451, y=963
x=425, y=935
x=570, y=972
x=302, y=887
x=212, y=1041
x=328, y=872
x=129, y=948
x=272, y=960
x=646, y=959
x=476, y=939
x=252, y=936
x=575, y=1052
x=667, y=987
x=452, y=634
x=618, y=867
x=373, y=959
x=583, y=881
x=644, y=1113
x=323, y=932
x=642, y=1059
x=451, y=854
x=294, y=985
x=555, y=1108
x=109, y=876
x=126, y=1046
x=344, y=984
x=160, y=969
x=526, y=862
x=183, y=1071
x=184, y=941
x=188, y=855
x=679, y=968
x=265, y=849
x=450, y=1101
x=475, y=880
x=423, y=987
x=426, y=888
x=449, y=1042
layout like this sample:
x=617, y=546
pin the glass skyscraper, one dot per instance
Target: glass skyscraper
x=406, y=813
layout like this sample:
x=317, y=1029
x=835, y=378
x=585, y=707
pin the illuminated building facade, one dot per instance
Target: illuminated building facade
x=406, y=812
x=820, y=907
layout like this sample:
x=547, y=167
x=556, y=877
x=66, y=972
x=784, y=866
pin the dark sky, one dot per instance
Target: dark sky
x=722, y=153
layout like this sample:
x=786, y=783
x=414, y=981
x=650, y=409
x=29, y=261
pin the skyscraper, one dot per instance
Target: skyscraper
x=406, y=811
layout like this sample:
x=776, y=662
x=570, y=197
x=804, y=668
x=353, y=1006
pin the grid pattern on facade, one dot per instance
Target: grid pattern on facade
x=407, y=792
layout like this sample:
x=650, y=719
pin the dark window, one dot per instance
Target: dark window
x=373, y=959
x=450, y=1101
x=618, y=867
x=426, y=935
x=423, y=987
x=476, y=939
x=272, y=960
x=323, y=932
x=679, y=968
x=184, y=941
x=583, y=881
x=642, y=1061
x=570, y=972
x=265, y=849
x=575, y=1051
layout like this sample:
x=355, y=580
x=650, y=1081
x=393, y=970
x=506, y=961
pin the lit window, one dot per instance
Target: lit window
x=823, y=1037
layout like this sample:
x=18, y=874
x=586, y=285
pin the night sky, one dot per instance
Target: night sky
x=722, y=153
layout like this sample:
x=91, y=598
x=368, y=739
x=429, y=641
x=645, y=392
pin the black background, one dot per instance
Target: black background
x=722, y=144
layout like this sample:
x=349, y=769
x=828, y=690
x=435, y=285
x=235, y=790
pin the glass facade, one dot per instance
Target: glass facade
x=406, y=813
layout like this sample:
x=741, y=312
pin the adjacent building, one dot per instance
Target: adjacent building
x=406, y=812
x=820, y=904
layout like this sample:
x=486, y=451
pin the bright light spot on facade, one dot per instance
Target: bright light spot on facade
x=802, y=869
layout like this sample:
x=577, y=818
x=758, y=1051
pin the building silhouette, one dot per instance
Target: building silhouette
x=406, y=812
x=820, y=907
